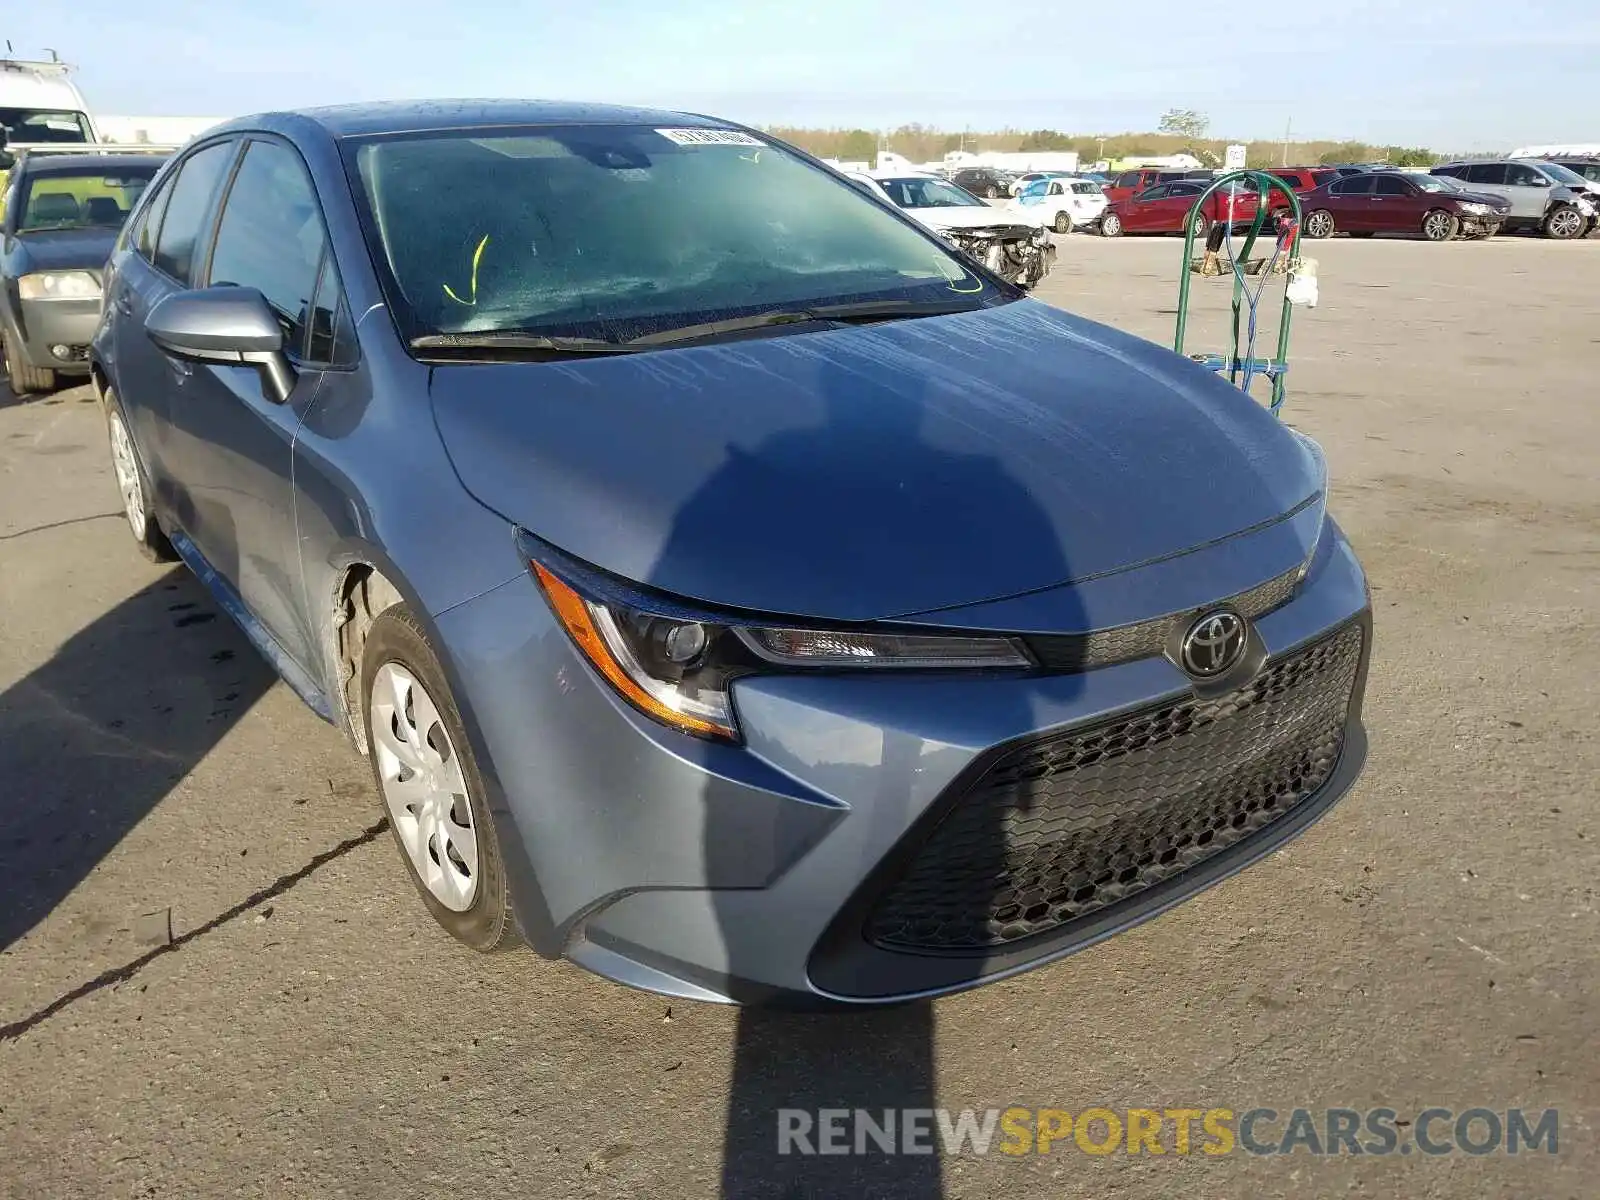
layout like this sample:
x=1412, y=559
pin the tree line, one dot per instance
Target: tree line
x=925, y=143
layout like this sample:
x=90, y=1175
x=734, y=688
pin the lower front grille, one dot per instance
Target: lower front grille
x=1064, y=826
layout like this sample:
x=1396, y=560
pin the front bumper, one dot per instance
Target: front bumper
x=46, y=325
x=759, y=873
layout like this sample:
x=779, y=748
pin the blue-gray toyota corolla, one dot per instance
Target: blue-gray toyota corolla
x=737, y=591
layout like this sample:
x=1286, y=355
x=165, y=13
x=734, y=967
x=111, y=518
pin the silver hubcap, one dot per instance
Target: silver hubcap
x=1437, y=226
x=424, y=788
x=1564, y=223
x=1111, y=225
x=1319, y=225
x=127, y=469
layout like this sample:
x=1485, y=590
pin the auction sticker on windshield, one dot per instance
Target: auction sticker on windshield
x=710, y=137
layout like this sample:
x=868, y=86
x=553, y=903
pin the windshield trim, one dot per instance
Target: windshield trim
x=408, y=327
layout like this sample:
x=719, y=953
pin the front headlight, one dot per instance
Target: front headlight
x=1585, y=207
x=1476, y=210
x=676, y=664
x=59, y=285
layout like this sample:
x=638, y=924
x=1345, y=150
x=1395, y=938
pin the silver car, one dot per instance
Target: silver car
x=1545, y=196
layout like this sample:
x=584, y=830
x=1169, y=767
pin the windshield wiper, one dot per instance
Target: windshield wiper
x=511, y=340
x=867, y=310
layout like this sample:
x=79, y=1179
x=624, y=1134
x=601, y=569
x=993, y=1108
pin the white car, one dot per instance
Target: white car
x=1062, y=203
x=1013, y=242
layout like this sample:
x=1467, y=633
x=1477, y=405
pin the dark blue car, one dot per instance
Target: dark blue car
x=737, y=591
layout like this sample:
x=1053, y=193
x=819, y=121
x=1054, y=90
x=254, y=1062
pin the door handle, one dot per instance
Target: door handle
x=124, y=305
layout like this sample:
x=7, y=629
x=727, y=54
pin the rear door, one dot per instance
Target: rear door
x=270, y=237
x=1491, y=178
x=1528, y=190
x=160, y=263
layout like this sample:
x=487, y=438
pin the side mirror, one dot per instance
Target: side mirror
x=231, y=325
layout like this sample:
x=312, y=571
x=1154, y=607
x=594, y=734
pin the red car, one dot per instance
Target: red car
x=1165, y=207
x=1304, y=179
x=1131, y=183
x=1401, y=202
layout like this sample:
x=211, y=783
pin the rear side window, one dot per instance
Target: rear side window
x=1355, y=185
x=270, y=237
x=143, y=236
x=1128, y=179
x=1486, y=173
x=1318, y=178
x=1453, y=172
x=187, y=206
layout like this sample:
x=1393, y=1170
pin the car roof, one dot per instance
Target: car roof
x=419, y=116
x=77, y=164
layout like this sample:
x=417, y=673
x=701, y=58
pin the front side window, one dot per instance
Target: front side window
x=270, y=236
x=1520, y=175
x=81, y=199
x=188, y=204
x=615, y=232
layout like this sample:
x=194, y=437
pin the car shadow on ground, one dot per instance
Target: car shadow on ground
x=96, y=737
x=898, y=457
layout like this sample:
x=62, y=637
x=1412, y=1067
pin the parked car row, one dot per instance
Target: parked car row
x=1472, y=199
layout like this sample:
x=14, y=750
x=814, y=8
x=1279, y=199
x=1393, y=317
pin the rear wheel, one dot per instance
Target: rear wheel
x=1319, y=224
x=23, y=377
x=430, y=784
x=135, y=488
x=1111, y=225
x=1564, y=222
x=1063, y=221
x=1440, y=226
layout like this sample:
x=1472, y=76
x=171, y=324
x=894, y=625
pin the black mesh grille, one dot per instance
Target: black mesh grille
x=1062, y=827
x=1125, y=643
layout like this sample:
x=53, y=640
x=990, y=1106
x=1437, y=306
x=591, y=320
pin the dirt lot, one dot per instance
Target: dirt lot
x=308, y=1033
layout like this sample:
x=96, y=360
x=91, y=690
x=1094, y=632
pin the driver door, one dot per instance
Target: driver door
x=1143, y=211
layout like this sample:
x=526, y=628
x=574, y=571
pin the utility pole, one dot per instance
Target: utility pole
x=1287, y=130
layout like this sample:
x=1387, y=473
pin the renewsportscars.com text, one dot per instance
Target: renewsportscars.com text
x=1207, y=1132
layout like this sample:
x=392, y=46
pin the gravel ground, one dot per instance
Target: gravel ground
x=306, y=1032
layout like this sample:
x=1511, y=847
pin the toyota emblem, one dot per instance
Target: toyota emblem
x=1214, y=643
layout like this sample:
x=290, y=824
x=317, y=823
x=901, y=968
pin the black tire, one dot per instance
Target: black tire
x=1063, y=222
x=489, y=923
x=1319, y=224
x=1564, y=223
x=24, y=378
x=992, y=192
x=1202, y=226
x=1110, y=225
x=143, y=526
x=1440, y=226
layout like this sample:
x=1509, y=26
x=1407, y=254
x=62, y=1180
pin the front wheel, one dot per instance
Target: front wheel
x=1063, y=222
x=1440, y=226
x=135, y=488
x=1111, y=225
x=1319, y=224
x=1202, y=226
x=992, y=192
x=1564, y=222
x=430, y=784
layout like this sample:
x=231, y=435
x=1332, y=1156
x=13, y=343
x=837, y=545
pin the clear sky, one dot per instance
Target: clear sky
x=1468, y=74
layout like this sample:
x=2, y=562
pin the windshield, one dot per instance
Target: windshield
x=615, y=232
x=1434, y=183
x=32, y=125
x=80, y=200
x=1564, y=175
x=928, y=193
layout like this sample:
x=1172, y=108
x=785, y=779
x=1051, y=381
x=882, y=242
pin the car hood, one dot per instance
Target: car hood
x=866, y=473
x=970, y=216
x=67, y=249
